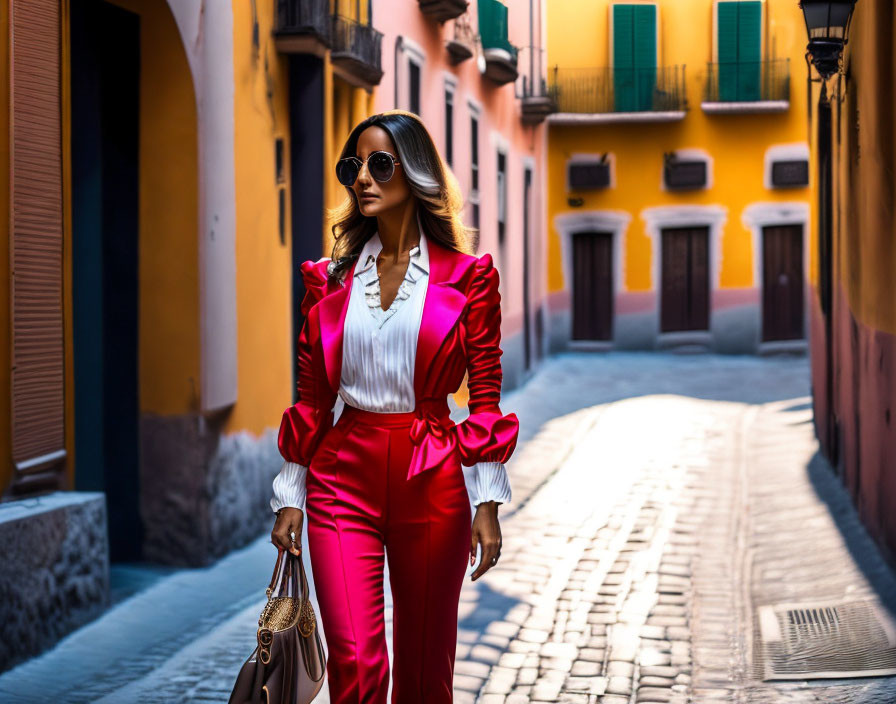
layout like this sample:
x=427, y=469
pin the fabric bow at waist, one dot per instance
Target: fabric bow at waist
x=432, y=434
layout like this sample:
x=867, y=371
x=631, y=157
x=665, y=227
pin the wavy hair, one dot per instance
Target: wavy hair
x=431, y=181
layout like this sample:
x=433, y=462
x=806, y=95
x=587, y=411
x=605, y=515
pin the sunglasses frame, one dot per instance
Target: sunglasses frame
x=361, y=165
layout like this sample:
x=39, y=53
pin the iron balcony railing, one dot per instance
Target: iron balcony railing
x=531, y=62
x=608, y=89
x=304, y=17
x=356, y=41
x=748, y=81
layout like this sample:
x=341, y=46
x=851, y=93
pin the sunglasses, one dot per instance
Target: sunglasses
x=380, y=164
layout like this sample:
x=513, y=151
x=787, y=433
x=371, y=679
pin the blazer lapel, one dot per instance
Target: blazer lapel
x=441, y=309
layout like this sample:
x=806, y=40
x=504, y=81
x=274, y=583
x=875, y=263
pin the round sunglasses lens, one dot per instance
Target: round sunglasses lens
x=380, y=166
x=347, y=171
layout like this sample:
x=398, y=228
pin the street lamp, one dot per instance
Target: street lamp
x=827, y=24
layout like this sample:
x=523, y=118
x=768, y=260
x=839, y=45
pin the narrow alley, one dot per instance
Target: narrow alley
x=663, y=506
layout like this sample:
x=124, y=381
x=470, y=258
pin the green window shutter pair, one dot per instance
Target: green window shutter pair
x=493, y=25
x=634, y=56
x=739, y=42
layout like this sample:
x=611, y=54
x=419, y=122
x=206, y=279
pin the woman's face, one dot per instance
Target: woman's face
x=388, y=195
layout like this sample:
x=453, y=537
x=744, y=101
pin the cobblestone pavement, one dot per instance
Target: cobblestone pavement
x=655, y=504
x=635, y=576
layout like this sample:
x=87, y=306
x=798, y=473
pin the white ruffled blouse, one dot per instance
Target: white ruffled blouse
x=379, y=348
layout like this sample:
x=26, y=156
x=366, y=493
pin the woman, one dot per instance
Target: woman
x=391, y=327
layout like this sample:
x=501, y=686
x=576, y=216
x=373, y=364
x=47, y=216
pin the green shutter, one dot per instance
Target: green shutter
x=739, y=32
x=493, y=25
x=623, y=58
x=644, y=21
x=634, y=56
x=748, y=49
x=727, y=52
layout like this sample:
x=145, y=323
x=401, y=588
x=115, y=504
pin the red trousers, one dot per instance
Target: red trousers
x=360, y=503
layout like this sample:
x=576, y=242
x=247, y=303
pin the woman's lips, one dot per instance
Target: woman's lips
x=368, y=197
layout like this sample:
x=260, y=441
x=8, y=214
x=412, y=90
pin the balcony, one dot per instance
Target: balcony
x=303, y=27
x=747, y=87
x=356, y=52
x=461, y=46
x=606, y=95
x=499, y=54
x=536, y=101
x=443, y=10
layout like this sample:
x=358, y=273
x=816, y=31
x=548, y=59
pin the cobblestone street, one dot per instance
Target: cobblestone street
x=659, y=501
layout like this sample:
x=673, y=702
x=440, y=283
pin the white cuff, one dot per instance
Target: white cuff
x=490, y=483
x=289, y=486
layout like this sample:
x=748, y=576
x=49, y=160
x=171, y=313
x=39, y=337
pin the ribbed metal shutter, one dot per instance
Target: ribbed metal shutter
x=37, y=403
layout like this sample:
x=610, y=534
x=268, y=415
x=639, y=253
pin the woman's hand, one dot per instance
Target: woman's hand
x=486, y=533
x=289, y=520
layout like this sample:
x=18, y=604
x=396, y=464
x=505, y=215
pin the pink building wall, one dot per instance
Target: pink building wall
x=500, y=126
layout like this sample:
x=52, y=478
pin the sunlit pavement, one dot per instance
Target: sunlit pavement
x=658, y=500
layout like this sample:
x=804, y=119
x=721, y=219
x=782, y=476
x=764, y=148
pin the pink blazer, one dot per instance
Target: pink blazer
x=460, y=331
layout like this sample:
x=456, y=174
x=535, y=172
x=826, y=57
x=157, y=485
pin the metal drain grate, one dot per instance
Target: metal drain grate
x=830, y=639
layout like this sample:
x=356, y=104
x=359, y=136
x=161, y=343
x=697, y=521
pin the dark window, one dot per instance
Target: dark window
x=449, y=127
x=502, y=196
x=414, y=88
x=474, y=151
x=680, y=174
x=585, y=176
x=790, y=173
x=278, y=160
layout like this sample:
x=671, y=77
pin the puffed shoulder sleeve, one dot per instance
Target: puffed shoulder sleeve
x=305, y=422
x=487, y=435
x=315, y=279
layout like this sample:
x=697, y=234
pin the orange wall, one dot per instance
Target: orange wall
x=264, y=270
x=169, y=240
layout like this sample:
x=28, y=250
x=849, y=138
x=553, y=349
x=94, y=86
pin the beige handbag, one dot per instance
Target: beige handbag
x=288, y=664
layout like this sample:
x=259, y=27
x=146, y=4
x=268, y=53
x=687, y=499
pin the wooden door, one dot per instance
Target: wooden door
x=684, y=298
x=782, y=282
x=592, y=310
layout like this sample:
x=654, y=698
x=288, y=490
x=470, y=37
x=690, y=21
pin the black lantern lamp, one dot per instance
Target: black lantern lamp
x=827, y=24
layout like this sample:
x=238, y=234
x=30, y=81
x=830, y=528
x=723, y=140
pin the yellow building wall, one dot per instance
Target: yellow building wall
x=264, y=266
x=168, y=217
x=264, y=269
x=864, y=164
x=578, y=37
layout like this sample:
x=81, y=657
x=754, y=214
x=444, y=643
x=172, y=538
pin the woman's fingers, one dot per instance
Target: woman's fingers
x=287, y=527
x=490, y=551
